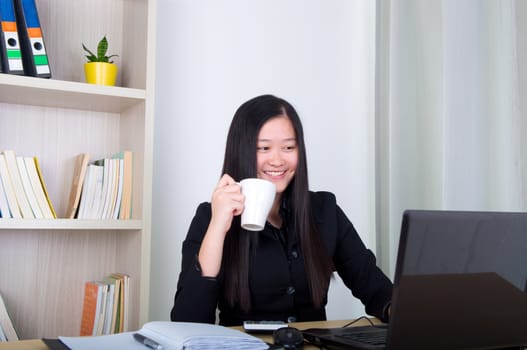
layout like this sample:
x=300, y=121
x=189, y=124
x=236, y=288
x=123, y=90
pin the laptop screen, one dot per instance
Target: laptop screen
x=460, y=280
x=444, y=242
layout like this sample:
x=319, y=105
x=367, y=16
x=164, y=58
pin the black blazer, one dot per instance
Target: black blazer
x=279, y=288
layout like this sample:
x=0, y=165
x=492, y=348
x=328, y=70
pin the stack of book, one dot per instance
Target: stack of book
x=23, y=191
x=105, y=306
x=101, y=189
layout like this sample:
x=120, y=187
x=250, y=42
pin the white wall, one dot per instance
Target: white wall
x=212, y=56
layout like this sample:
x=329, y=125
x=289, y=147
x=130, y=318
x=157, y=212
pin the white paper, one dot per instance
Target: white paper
x=171, y=336
x=103, y=342
x=194, y=336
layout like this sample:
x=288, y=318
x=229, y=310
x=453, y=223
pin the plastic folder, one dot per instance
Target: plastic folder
x=34, y=56
x=10, y=54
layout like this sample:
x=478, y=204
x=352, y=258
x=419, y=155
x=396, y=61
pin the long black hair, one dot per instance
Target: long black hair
x=240, y=163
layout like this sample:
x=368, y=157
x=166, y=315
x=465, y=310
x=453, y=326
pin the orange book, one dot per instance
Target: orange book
x=89, y=308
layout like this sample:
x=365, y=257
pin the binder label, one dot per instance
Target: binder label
x=11, y=53
x=34, y=56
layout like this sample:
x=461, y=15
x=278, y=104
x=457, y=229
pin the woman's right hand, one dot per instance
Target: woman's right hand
x=227, y=201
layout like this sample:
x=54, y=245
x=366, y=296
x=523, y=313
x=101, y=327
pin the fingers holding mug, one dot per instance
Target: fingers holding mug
x=227, y=201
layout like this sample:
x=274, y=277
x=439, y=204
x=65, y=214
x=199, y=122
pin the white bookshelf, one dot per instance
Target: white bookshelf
x=15, y=89
x=44, y=263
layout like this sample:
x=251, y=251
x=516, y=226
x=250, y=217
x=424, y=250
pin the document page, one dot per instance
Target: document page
x=161, y=335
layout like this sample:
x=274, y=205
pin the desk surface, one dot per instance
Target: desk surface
x=268, y=338
x=37, y=344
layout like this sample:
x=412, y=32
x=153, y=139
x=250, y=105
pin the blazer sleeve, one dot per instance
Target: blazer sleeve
x=354, y=262
x=196, y=296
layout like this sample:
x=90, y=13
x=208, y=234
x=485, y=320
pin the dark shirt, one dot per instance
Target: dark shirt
x=278, y=283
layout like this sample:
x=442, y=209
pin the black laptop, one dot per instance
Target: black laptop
x=460, y=283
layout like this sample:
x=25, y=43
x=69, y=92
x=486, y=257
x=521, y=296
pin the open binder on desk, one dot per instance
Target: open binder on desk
x=163, y=335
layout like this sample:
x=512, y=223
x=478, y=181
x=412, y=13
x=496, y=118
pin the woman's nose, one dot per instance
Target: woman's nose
x=276, y=158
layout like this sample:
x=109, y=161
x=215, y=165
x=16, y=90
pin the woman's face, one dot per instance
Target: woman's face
x=277, y=152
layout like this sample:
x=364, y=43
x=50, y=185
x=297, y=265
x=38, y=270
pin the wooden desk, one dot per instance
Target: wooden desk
x=37, y=344
x=33, y=344
x=268, y=338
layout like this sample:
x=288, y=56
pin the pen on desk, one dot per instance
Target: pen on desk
x=147, y=342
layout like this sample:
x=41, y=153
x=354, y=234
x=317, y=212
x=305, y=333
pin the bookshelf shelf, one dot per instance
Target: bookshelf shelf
x=69, y=224
x=67, y=94
x=44, y=263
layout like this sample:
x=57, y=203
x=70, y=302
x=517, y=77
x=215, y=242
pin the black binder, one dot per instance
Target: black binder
x=10, y=53
x=34, y=56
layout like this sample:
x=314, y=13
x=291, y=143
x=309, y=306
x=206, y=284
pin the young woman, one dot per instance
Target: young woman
x=283, y=272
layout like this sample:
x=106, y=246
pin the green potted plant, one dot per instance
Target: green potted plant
x=100, y=68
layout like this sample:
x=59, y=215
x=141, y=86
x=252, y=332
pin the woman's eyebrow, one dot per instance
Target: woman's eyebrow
x=270, y=140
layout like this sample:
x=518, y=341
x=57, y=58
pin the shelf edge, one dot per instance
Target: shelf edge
x=46, y=92
x=69, y=224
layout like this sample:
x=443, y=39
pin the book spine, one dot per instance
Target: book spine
x=16, y=180
x=8, y=189
x=28, y=188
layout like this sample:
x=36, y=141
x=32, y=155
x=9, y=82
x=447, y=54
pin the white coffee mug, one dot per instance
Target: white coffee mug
x=259, y=196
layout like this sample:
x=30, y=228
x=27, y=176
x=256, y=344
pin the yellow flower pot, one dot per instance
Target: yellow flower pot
x=100, y=73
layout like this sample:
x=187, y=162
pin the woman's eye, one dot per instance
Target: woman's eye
x=262, y=148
